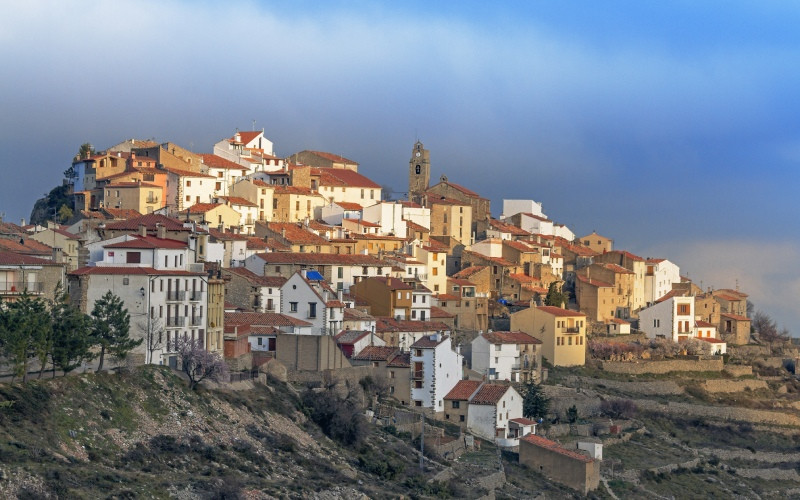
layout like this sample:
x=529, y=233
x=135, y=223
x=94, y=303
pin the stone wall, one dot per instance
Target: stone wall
x=720, y=412
x=722, y=385
x=661, y=367
x=650, y=388
x=738, y=370
x=571, y=472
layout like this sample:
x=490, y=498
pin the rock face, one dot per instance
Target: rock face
x=722, y=385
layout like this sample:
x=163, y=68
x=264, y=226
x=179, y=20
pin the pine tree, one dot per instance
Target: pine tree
x=25, y=332
x=555, y=297
x=111, y=328
x=535, y=404
x=71, y=334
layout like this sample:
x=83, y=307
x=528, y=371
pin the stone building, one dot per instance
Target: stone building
x=568, y=467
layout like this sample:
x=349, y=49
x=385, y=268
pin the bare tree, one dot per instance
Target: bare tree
x=199, y=364
x=153, y=337
x=767, y=329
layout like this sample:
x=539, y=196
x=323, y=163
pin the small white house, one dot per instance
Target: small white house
x=491, y=410
x=670, y=318
x=435, y=370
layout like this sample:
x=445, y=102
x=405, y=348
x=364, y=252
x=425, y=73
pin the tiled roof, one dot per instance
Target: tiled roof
x=735, y=317
x=350, y=336
x=391, y=283
x=537, y=217
x=728, y=297
x=557, y=311
x=121, y=213
x=263, y=319
x=443, y=200
x=188, y=173
x=415, y=227
x=463, y=390
x=594, y=282
x=15, y=259
x=362, y=222
x=201, y=208
x=439, y=313
x=447, y=296
x=410, y=204
x=343, y=177
x=495, y=260
x=428, y=342
x=320, y=259
x=616, y=269
x=402, y=360
x=352, y=314
x=132, y=270
x=731, y=292
x=349, y=206
x=28, y=246
x=628, y=255
x=150, y=221
x=555, y=447
x=489, y=394
x=520, y=246
x=215, y=161
x=236, y=200
x=712, y=340
x=523, y=421
x=133, y=185
x=296, y=234
x=469, y=271
x=619, y=321
x=508, y=228
x=655, y=261
x=510, y=338
x=468, y=192
x=268, y=281
x=387, y=324
x=247, y=136
x=375, y=353
x=332, y=157
x=523, y=278
x=279, y=190
x=704, y=324
x=139, y=241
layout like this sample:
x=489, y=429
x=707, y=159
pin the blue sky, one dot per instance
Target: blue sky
x=669, y=126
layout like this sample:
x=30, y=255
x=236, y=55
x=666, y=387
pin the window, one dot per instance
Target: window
x=456, y=404
x=188, y=183
x=418, y=384
x=461, y=418
x=125, y=281
x=133, y=257
x=683, y=309
x=498, y=347
x=340, y=273
x=312, y=309
x=418, y=353
x=293, y=307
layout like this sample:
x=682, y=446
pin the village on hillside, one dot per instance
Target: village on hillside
x=304, y=268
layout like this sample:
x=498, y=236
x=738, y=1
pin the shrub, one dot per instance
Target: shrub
x=618, y=408
x=339, y=418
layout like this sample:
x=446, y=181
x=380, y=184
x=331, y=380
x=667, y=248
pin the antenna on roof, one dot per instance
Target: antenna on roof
x=254, y=125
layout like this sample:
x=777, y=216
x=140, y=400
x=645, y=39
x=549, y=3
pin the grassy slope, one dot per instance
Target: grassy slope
x=144, y=435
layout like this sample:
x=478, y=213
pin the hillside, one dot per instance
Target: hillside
x=143, y=434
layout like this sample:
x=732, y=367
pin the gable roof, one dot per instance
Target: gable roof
x=320, y=259
x=149, y=221
x=215, y=161
x=256, y=279
x=557, y=311
x=139, y=242
x=262, y=319
x=427, y=342
x=342, y=177
x=510, y=338
x=375, y=353
x=489, y=394
x=541, y=442
x=463, y=390
x=296, y=233
x=16, y=259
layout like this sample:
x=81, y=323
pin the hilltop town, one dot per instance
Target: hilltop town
x=302, y=269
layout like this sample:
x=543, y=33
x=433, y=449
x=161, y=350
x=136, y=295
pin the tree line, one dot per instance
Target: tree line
x=57, y=333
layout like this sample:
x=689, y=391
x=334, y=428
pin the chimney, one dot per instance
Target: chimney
x=161, y=231
x=58, y=255
x=340, y=295
x=133, y=156
x=388, y=281
x=142, y=230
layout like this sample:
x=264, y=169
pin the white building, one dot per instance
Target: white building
x=658, y=279
x=185, y=188
x=435, y=370
x=504, y=355
x=306, y=296
x=514, y=207
x=416, y=213
x=334, y=212
x=389, y=216
x=671, y=318
x=491, y=410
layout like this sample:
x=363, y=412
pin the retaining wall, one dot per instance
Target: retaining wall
x=660, y=367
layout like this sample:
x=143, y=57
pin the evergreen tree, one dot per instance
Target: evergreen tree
x=111, y=328
x=25, y=332
x=535, y=404
x=71, y=334
x=555, y=297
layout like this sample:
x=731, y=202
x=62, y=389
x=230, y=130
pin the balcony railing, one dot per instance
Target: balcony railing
x=417, y=374
x=195, y=296
x=197, y=321
x=152, y=199
x=176, y=321
x=14, y=287
x=572, y=329
x=175, y=296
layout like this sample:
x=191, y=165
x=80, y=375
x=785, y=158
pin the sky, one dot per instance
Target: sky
x=672, y=127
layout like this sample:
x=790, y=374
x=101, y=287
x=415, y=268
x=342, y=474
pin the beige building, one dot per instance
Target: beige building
x=568, y=467
x=216, y=314
x=294, y=203
x=481, y=207
x=597, y=242
x=216, y=214
x=562, y=332
x=615, y=301
x=143, y=197
x=386, y=296
x=451, y=217
x=258, y=192
x=56, y=237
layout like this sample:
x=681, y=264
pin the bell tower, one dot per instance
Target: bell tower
x=419, y=173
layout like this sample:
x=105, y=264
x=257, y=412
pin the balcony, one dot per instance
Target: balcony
x=195, y=296
x=151, y=199
x=417, y=375
x=176, y=321
x=176, y=296
x=17, y=287
x=196, y=321
x=572, y=329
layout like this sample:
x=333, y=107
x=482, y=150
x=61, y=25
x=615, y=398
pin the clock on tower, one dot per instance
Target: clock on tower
x=419, y=173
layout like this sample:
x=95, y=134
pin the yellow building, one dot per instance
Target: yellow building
x=295, y=204
x=216, y=214
x=143, y=197
x=562, y=332
x=216, y=314
x=452, y=218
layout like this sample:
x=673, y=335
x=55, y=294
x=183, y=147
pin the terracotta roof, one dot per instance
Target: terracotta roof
x=268, y=281
x=463, y=390
x=735, y=317
x=469, y=271
x=520, y=246
x=704, y=324
x=523, y=278
x=523, y=421
x=320, y=259
x=555, y=447
x=121, y=213
x=510, y=338
x=263, y=319
x=444, y=200
x=732, y=292
x=619, y=321
x=188, y=173
x=201, y=208
x=628, y=255
x=362, y=222
x=593, y=282
x=352, y=314
x=557, y=311
x=470, y=193
x=215, y=161
x=132, y=270
x=279, y=190
x=391, y=283
x=342, y=177
x=236, y=200
x=63, y=232
x=402, y=360
x=28, y=246
x=537, y=217
x=139, y=241
x=385, y=324
x=133, y=185
x=428, y=342
x=415, y=227
x=15, y=259
x=350, y=336
x=728, y=297
x=332, y=157
x=375, y=353
x=616, y=269
x=489, y=394
x=410, y=204
x=439, y=313
x=349, y=206
x=508, y=228
x=670, y=294
x=712, y=340
x=150, y=221
x=655, y=261
x=296, y=233
x=447, y=296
